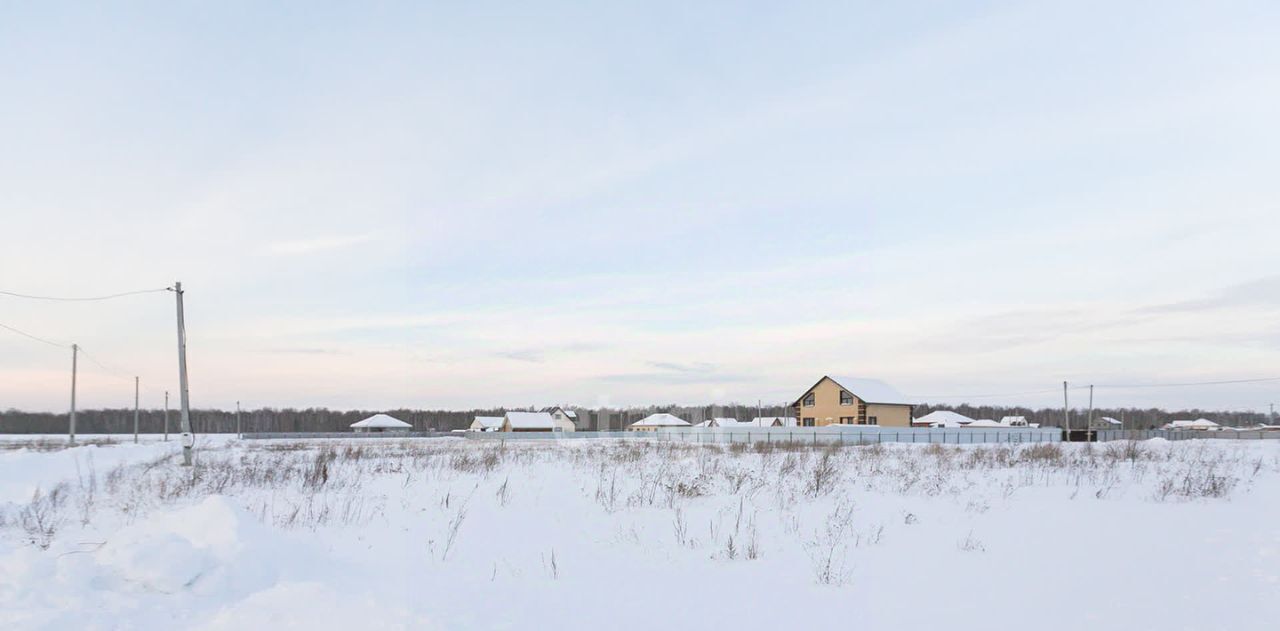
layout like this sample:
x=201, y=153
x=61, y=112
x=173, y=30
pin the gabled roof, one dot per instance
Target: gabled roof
x=1108, y=419
x=722, y=422
x=985, y=422
x=866, y=389
x=773, y=421
x=1198, y=423
x=489, y=421
x=381, y=421
x=530, y=420
x=552, y=410
x=661, y=420
x=944, y=417
x=1010, y=420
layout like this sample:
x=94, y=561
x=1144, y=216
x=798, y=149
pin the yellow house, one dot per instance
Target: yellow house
x=852, y=401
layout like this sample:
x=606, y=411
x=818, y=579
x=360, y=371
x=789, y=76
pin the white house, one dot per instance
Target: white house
x=722, y=423
x=562, y=415
x=380, y=423
x=487, y=424
x=985, y=422
x=773, y=421
x=1199, y=424
x=536, y=422
x=942, y=418
x=1106, y=422
x=654, y=422
x=1014, y=421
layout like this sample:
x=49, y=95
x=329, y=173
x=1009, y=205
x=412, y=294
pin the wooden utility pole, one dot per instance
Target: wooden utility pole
x=1090, y=426
x=1066, y=412
x=166, y=416
x=71, y=432
x=188, y=439
x=135, y=410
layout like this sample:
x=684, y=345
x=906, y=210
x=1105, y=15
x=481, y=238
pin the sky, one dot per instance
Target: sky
x=462, y=205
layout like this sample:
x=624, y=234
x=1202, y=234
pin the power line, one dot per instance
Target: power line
x=1183, y=385
x=34, y=337
x=115, y=371
x=981, y=396
x=15, y=294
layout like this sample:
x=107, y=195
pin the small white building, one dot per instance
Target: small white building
x=1106, y=422
x=536, y=422
x=1014, y=421
x=773, y=421
x=722, y=423
x=654, y=422
x=562, y=415
x=1202, y=424
x=985, y=422
x=380, y=423
x=487, y=424
x=942, y=418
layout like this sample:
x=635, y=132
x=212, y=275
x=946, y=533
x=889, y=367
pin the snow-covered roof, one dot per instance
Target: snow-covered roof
x=661, y=420
x=1013, y=421
x=554, y=408
x=773, y=421
x=1108, y=419
x=872, y=390
x=381, y=421
x=489, y=421
x=985, y=422
x=722, y=422
x=946, y=418
x=531, y=420
x=1200, y=423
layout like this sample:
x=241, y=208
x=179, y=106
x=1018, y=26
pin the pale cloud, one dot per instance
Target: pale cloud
x=316, y=244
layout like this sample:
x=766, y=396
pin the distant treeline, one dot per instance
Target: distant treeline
x=205, y=421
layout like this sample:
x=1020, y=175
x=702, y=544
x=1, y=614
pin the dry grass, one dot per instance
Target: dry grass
x=310, y=485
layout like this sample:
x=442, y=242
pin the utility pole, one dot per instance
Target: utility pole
x=1090, y=426
x=135, y=410
x=188, y=440
x=71, y=432
x=166, y=416
x=1066, y=411
x=238, y=434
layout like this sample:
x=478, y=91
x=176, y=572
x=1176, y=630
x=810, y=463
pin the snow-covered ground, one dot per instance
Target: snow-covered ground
x=455, y=534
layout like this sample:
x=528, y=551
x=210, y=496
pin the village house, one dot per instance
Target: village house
x=1105, y=422
x=536, y=422
x=941, y=418
x=486, y=424
x=562, y=415
x=773, y=421
x=722, y=423
x=380, y=423
x=852, y=401
x=654, y=422
x=1202, y=424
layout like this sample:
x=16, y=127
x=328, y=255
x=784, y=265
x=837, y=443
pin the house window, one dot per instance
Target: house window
x=846, y=420
x=846, y=398
x=808, y=400
x=871, y=420
x=807, y=422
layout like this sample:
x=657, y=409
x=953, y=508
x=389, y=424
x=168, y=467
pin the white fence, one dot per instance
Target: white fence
x=1103, y=435
x=856, y=435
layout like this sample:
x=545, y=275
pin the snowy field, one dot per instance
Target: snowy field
x=453, y=534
